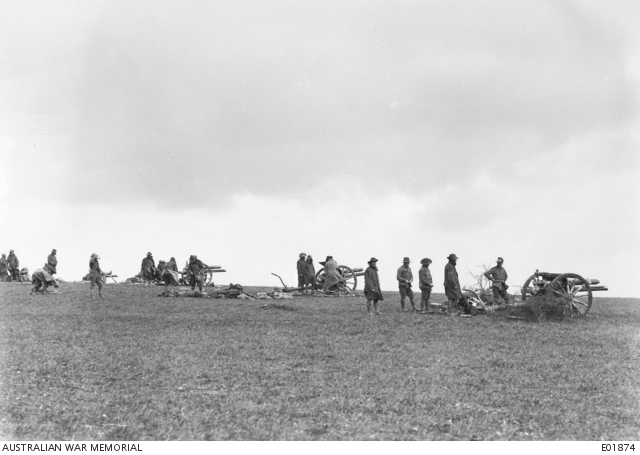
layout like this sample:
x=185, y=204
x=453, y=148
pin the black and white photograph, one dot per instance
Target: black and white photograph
x=304, y=221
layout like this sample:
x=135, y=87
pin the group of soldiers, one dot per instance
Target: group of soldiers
x=307, y=273
x=9, y=267
x=41, y=278
x=496, y=275
x=168, y=272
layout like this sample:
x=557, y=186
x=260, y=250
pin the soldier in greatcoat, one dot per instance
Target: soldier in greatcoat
x=170, y=276
x=51, y=267
x=309, y=275
x=13, y=266
x=41, y=280
x=148, y=269
x=451, y=283
x=195, y=271
x=4, y=265
x=372, y=290
x=301, y=265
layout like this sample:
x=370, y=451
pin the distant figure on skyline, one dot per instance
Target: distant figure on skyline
x=13, y=266
x=148, y=269
x=4, y=265
x=51, y=267
x=498, y=277
x=372, y=290
x=95, y=278
x=301, y=266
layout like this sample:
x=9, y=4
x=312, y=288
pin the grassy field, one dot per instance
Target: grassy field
x=139, y=367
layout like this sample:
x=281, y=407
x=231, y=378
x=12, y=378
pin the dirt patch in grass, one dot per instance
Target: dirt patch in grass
x=138, y=367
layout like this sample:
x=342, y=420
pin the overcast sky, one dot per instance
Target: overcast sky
x=248, y=132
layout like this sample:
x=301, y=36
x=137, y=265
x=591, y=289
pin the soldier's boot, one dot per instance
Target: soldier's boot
x=402, y=305
x=369, y=306
x=413, y=305
x=375, y=306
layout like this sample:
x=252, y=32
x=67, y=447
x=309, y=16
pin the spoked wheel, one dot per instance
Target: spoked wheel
x=207, y=277
x=575, y=293
x=347, y=286
x=533, y=286
x=349, y=277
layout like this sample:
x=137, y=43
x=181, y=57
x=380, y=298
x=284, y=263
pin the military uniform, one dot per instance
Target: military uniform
x=405, y=277
x=3, y=268
x=425, y=282
x=498, y=276
x=13, y=266
x=301, y=266
x=451, y=283
x=52, y=264
x=148, y=269
x=372, y=290
x=195, y=269
x=95, y=272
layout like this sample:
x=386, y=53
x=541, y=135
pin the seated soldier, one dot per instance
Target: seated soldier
x=24, y=275
x=41, y=281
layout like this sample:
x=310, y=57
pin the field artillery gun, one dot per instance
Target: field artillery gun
x=207, y=272
x=345, y=286
x=568, y=289
x=348, y=280
x=103, y=277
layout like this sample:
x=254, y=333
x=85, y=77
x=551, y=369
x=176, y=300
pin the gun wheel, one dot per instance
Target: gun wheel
x=574, y=292
x=533, y=286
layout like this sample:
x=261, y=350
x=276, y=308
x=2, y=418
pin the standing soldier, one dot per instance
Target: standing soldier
x=52, y=263
x=95, y=277
x=405, y=277
x=426, y=284
x=331, y=275
x=451, y=283
x=14, y=266
x=309, y=275
x=148, y=269
x=4, y=265
x=372, y=286
x=170, y=276
x=195, y=270
x=498, y=277
x=302, y=265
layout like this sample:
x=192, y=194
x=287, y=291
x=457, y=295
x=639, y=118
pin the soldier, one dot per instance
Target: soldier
x=405, y=277
x=95, y=277
x=195, y=272
x=498, y=277
x=372, y=286
x=3, y=267
x=13, y=266
x=301, y=265
x=41, y=280
x=309, y=275
x=331, y=275
x=52, y=263
x=170, y=276
x=426, y=284
x=451, y=283
x=148, y=269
